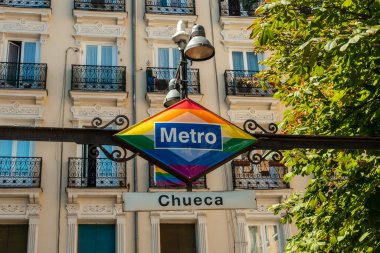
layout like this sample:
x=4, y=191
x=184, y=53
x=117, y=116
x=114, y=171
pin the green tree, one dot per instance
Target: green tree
x=325, y=65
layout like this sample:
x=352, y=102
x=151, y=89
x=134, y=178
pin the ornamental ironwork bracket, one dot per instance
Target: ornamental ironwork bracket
x=254, y=157
x=117, y=155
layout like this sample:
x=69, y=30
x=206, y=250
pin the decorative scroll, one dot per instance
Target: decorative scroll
x=118, y=155
x=257, y=158
x=119, y=121
x=251, y=126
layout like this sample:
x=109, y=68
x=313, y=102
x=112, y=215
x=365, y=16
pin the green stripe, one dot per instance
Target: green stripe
x=139, y=141
x=235, y=144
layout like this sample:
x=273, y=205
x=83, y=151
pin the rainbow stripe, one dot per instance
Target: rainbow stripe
x=186, y=163
x=165, y=179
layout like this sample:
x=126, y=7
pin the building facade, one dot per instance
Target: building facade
x=64, y=63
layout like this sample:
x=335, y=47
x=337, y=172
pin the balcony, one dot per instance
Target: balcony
x=20, y=172
x=244, y=83
x=160, y=179
x=98, y=78
x=238, y=8
x=97, y=173
x=267, y=175
x=157, y=80
x=26, y=3
x=100, y=5
x=15, y=75
x=170, y=7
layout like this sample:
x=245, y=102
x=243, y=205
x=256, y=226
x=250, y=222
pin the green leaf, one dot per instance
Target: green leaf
x=363, y=236
x=347, y=3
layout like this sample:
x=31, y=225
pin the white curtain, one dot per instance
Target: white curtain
x=91, y=55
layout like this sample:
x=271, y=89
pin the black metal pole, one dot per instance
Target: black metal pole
x=183, y=75
x=264, y=141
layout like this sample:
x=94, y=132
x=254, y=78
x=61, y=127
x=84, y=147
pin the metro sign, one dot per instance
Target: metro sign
x=186, y=140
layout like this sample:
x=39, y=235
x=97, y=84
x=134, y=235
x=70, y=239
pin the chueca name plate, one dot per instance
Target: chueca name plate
x=136, y=201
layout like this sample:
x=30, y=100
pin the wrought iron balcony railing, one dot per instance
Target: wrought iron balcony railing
x=238, y=8
x=170, y=7
x=15, y=75
x=100, y=5
x=266, y=175
x=245, y=83
x=99, y=173
x=26, y=3
x=160, y=179
x=157, y=80
x=20, y=172
x=98, y=78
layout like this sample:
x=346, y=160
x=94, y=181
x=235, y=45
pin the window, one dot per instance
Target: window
x=13, y=238
x=16, y=148
x=168, y=57
x=96, y=238
x=177, y=238
x=246, y=61
x=264, y=238
x=104, y=55
x=24, y=52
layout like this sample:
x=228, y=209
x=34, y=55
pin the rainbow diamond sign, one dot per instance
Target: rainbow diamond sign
x=186, y=140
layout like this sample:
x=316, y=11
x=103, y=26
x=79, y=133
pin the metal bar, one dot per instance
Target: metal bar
x=264, y=141
x=284, y=142
x=53, y=134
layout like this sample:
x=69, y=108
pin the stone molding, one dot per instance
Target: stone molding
x=97, y=209
x=23, y=26
x=86, y=113
x=82, y=15
x=169, y=20
x=13, y=209
x=99, y=30
x=262, y=116
x=34, y=209
x=83, y=97
x=16, y=110
x=43, y=13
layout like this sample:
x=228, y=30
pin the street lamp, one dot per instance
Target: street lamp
x=198, y=48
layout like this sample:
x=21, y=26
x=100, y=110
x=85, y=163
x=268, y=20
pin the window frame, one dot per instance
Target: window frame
x=23, y=41
x=260, y=57
x=115, y=57
x=261, y=228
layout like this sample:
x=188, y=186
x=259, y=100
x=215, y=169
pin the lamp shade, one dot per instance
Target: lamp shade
x=199, y=48
x=173, y=95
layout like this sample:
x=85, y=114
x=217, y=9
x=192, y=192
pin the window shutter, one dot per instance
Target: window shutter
x=96, y=238
x=179, y=238
x=13, y=238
